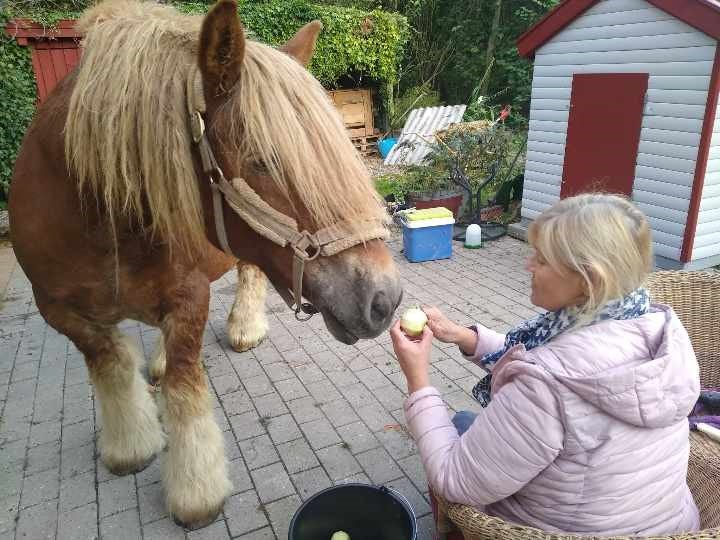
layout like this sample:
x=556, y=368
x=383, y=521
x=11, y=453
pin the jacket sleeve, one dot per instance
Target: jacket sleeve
x=510, y=442
x=487, y=341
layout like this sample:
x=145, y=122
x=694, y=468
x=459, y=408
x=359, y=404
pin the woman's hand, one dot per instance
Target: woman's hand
x=413, y=355
x=448, y=331
x=442, y=328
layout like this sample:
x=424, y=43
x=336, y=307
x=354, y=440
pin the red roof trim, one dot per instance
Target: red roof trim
x=554, y=21
x=24, y=29
x=700, y=14
x=702, y=159
x=704, y=15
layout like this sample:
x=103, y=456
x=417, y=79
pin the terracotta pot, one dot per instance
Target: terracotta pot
x=452, y=200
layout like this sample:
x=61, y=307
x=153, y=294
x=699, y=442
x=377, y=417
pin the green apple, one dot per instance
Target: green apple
x=340, y=535
x=413, y=321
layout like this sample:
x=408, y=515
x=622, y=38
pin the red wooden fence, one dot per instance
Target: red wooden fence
x=54, y=51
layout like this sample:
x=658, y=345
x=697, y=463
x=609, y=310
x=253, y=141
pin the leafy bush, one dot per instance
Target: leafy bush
x=353, y=42
x=17, y=95
x=422, y=178
x=472, y=153
x=390, y=184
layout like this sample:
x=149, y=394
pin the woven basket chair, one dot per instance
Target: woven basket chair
x=695, y=297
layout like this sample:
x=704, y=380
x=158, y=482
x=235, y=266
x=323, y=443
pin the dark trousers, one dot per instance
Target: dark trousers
x=462, y=422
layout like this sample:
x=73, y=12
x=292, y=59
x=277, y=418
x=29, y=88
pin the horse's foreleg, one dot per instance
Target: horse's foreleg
x=195, y=471
x=247, y=324
x=131, y=435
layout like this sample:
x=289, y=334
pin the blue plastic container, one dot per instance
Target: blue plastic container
x=385, y=145
x=428, y=240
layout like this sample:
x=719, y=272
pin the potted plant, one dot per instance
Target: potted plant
x=429, y=186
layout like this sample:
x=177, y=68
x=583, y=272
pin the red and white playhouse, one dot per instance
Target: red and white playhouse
x=624, y=99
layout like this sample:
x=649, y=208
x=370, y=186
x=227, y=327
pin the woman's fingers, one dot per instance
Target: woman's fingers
x=395, y=328
x=433, y=325
x=427, y=335
x=400, y=340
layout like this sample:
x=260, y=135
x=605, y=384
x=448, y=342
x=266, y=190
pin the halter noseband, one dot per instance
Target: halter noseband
x=277, y=227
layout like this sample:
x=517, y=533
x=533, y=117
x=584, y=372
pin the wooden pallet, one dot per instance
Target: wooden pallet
x=366, y=145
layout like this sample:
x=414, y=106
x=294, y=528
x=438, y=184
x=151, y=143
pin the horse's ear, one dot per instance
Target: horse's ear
x=302, y=45
x=222, y=46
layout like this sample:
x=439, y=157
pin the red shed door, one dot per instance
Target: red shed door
x=603, y=132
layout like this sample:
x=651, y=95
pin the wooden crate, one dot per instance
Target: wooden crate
x=367, y=146
x=356, y=107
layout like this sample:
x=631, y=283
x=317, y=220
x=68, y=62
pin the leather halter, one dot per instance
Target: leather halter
x=277, y=227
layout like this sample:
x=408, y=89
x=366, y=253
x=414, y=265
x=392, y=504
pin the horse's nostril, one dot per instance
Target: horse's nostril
x=380, y=308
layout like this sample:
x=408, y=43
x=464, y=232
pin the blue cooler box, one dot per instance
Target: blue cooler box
x=428, y=239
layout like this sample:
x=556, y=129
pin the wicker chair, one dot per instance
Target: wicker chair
x=695, y=297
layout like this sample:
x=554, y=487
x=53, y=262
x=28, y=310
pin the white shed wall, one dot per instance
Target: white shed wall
x=628, y=36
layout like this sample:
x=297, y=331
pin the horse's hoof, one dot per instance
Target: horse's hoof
x=123, y=469
x=248, y=335
x=242, y=346
x=197, y=522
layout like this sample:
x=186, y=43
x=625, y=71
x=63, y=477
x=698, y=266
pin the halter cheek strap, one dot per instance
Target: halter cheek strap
x=277, y=227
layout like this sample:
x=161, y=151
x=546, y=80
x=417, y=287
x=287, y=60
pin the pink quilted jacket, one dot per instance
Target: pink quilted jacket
x=586, y=434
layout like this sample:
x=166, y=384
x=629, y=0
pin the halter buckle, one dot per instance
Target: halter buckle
x=305, y=242
x=197, y=126
x=216, y=175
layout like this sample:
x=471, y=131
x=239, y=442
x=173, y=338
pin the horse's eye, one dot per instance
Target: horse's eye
x=259, y=168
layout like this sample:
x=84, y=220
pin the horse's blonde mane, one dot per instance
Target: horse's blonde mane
x=127, y=137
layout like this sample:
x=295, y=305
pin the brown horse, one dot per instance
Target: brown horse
x=119, y=206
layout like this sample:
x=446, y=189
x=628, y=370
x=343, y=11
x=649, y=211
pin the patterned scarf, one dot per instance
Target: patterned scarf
x=546, y=326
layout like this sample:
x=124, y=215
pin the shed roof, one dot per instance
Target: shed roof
x=704, y=15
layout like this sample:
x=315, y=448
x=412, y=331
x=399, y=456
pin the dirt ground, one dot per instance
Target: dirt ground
x=376, y=166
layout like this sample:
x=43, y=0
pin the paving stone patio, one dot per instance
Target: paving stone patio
x=301, y=412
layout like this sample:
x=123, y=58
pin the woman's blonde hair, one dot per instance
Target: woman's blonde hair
x=602, y=237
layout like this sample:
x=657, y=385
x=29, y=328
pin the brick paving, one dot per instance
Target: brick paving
x=299, y=413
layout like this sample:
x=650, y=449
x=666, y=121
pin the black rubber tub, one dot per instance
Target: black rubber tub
x=363, y=511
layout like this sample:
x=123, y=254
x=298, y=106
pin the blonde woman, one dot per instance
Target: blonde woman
x=585, y=425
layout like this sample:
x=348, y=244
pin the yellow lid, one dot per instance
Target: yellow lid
x=429, y=213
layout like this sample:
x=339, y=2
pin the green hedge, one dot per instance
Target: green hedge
x=17, y=95
x=366, y=46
